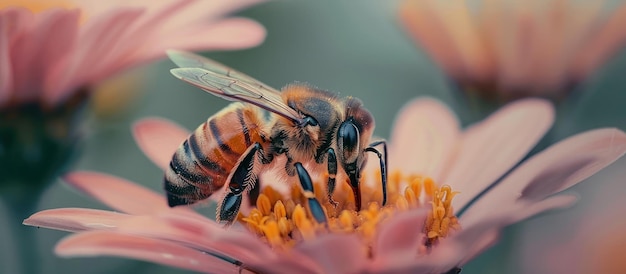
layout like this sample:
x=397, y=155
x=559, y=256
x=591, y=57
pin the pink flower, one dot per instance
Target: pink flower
x=417, y=232
x=50, y=55
x=510, y=49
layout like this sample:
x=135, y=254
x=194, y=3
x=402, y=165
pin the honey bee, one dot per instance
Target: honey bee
x=301, y=123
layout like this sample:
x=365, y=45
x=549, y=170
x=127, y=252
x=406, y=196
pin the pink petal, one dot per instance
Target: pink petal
x=13, y=21
x=140, y=33
x=572, y=161
x=291, y=262
x=202, y=234
x=423, y=137
x=195, y=232
x=153, y=19
x=60, y=38
x=158, y=139
x=6, y=72
x=336, y=253
x=76, y=219
x=56, y=28
x=492, y=147
x=463, y=244
x=400, y=236
x=530, y=209
x=207, y=11
x=499, y=220
x=190, y=25
x=194, y=12
x=98, y=41
x=509, y=42
x=230, y=33
x=605, y=41
x=120, y=194
x=205, y=235
x=425, y=22
x=553, y=170
x=284, y=265
x=486, y=241
x=227, y=34
x=398, y=242
x=99, y=243
x=441, y=260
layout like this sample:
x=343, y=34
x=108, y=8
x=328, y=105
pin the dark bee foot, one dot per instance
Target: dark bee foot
x=229, y=208
x=307, y=185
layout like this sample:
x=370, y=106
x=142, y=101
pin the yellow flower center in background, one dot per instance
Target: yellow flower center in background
x=283, y=222
x=36, y=6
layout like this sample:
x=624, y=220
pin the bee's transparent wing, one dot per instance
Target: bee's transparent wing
x=228, y=83
x=235, y=89
x=184, y=59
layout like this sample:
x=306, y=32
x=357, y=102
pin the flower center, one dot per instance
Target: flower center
x=285, y=221
x=36, y=6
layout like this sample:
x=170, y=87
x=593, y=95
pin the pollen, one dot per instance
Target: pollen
x=285, y=220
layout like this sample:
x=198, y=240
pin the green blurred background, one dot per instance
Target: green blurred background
x=356, y=49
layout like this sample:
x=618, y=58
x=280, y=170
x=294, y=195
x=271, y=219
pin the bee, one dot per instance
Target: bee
x=301, y=123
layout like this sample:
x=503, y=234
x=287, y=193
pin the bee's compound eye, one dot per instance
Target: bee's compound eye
x=348, y=141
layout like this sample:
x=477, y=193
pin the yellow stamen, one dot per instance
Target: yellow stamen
x=285, y=221
x=346, y=221
x=263, y=204
x=410, y=196
x=429, y=187
x=441, y=220
x=284, y=226
x=402, y=203
x=272, y=233
x=279, y=210
x=303, y=223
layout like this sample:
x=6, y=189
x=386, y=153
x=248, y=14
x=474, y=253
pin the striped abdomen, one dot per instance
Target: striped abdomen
x=203, y=162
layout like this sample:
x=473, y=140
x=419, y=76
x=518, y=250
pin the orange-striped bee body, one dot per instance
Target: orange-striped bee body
x=204, y=161
x=305, y=125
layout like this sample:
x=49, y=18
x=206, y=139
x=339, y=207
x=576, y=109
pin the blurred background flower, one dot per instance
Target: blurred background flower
x=357, y=50
x=507, y=49
x=53, y=56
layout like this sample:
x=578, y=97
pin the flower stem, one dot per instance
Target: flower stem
x=24, y=238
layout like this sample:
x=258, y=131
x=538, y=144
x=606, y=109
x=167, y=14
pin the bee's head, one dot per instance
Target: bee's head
x=353, y=136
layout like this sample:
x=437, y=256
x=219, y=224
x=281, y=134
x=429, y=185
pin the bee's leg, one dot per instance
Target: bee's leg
x=332, y=173
x=253, y=195
x=241, y=178
x=265, y=158
x=383, y=165
x=255, y=190
x=290, y=169
x=307, y=185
